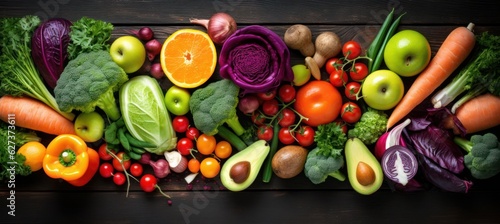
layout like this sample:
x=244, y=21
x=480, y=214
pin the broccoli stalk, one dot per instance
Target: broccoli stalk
x=107, y=104
x=483, y=154
x=326, y=159
x=480, y=74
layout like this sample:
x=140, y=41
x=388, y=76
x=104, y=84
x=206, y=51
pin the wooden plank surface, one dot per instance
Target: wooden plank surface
x=41, y=199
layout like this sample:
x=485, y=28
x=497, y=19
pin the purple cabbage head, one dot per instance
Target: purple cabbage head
x=49, y=45
x=256, y=59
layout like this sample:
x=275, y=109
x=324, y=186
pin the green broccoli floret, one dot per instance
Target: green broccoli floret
x=483, y=155
x=326, y=159
x=89, y=81
x=214, y=105
x=370, y=126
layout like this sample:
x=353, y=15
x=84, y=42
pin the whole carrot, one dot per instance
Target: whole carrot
x=32, y=114
x=454, y=50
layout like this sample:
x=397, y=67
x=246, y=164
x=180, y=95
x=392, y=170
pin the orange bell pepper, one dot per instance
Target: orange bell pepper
x=94, y=162
x=66, y=157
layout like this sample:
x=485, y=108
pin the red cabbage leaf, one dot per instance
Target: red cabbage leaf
x=256, y=59
x=49, y=45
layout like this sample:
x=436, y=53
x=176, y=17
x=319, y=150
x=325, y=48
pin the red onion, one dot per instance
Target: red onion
x=161, y=168
x=156, y=71
x=153, y=48
x=389, y=139
x=144, y=34
x=219, y=27
x=248, y=104
x=145, y=158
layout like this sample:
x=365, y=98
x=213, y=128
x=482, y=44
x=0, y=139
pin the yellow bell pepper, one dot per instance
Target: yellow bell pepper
x=66, y=157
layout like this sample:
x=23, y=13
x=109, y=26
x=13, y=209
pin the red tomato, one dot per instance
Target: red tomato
x=180, y=123
x=319, y=101
x=342, y=125
x=286, y=118
x=305, y=136
x=148, y=182
x=268, y=95
x=103, y=153
x=125, y=160
x=270, y=107
x=136, y=169
x=338, y=78
x=286, y=93
x=351, y=49
x=285, y=136
x=106, y=170
x=119, y=178
x=350, y=112
x=351, y=90
x=258, y=118
x=358, y=72
x=265, y=132
x=333, y=64
x=184, y=146
x=192, y=133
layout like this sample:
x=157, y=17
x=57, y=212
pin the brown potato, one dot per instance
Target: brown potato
x=289, y=161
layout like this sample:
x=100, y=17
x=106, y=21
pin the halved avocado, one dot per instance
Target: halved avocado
x=357, y=157
x=255, y=154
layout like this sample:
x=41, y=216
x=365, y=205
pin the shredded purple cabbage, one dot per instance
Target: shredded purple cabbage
x=256, y=59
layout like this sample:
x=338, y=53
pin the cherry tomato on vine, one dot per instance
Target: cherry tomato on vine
x=258, y=118
x=351, y=90
x=285, y=136
x=286, y=117
x=119, y=178
x=265, y=132
x=148, y=182
x=103, y=153
x=342, y=125
x=287, y=93
x=106, y=170
x=267, y=95
x=305, y=136
x=338, y=78
x=184, y=146
x=270, y=107
x=136, y=169
x=180, y=123
x=351, y=49
x=209, y=167
x=192, y=133
x=350, y=112
x=206, y=144
x=333, y=64
x=121, y=156
x=319, y=101
x=194, y=165
x=358, y=72
x=223, y=149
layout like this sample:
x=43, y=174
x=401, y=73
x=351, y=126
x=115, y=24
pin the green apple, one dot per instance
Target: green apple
x=128, y=52
x=382, y=89
x=407, y=53
x=177, y=100
x=301, y=74
x=89, y=126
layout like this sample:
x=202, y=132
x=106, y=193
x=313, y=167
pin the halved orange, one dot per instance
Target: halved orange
x=188, y=58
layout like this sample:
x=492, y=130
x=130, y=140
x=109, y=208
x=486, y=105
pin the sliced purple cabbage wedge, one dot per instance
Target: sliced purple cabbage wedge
x=399, y=164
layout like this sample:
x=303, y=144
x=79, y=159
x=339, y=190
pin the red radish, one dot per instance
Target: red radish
x=248, y=104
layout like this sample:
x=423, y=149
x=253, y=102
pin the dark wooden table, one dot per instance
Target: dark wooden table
x=41, y=199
